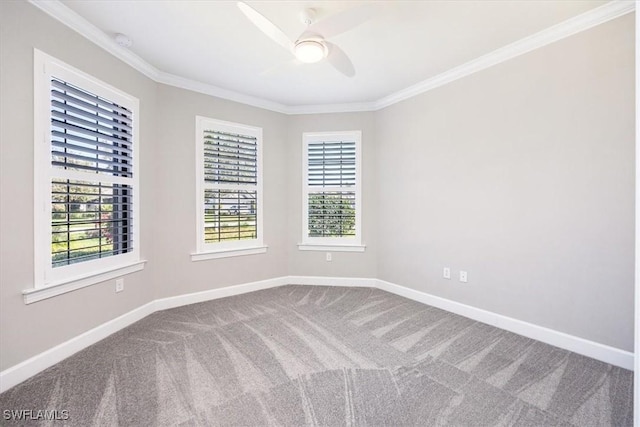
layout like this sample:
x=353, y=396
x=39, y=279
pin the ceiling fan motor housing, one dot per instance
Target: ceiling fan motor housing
x=310, y=50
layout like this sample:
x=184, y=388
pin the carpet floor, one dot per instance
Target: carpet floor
x=329, y=356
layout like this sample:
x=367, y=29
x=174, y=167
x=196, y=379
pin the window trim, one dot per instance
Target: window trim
x=205, y=251
x=336, y=244
x=53, y=289
x=74, y=276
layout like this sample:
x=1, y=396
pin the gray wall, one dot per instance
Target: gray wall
x=522, y=175
x=27, y=330
x=174, y=192
x=343, y=264
x=167, y=153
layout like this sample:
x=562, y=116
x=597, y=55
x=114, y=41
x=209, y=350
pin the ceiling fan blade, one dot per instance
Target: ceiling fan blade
x=343, y=21
x=266, y=26
x=340, y=60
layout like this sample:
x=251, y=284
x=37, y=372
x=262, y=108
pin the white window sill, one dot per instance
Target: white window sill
x=227, y=253
x=72, y=284
x=331, y=248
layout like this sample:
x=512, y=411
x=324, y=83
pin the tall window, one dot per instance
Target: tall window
x=331, y=189
x=86, y=174
x=229, y=188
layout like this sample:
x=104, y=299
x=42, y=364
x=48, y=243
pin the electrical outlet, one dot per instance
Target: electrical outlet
x=446, y=273
x=329, y=257
x=463, y=276
x=119, y=285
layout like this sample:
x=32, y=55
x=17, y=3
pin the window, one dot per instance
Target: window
x=86, y=177
x=331, y=191
x=229, y=189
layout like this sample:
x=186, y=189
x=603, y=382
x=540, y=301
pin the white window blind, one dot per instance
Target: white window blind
x=86, y=217
x=230, y=214
x=331, y=187
x=332, y=166
x=91, y=138
x=229, y=186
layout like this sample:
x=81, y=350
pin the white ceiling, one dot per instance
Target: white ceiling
x=405, y=43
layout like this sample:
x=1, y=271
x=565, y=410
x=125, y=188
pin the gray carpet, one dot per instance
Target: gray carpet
x=311, y=355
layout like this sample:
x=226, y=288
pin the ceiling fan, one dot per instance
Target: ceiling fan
x=312, y=45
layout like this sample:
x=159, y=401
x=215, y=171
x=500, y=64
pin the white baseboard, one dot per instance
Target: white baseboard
x=24, y=370
x=604, y=353
x=331, y=281
x=227, y=291
x=30, y=367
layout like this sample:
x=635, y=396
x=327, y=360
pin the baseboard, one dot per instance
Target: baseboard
x=227, y=291
x=331, y=281
x=24, y=370
x=30, y=367
x=604, y=353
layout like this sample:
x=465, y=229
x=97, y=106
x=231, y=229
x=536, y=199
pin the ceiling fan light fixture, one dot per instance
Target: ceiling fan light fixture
x=310, y=51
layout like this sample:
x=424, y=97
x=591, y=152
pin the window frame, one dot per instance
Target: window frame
x=204, y=250
x=50, y=281
x=344, y=244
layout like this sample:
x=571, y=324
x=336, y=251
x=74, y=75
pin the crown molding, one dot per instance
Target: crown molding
x=208, y=89
x=330, y=108
x=71, y=19
x=582, y=22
